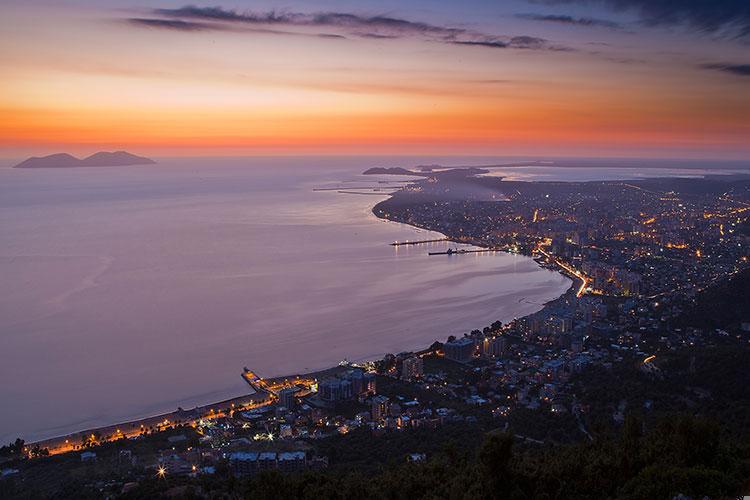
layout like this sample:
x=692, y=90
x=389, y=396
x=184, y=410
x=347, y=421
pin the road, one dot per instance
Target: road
x=569, y=269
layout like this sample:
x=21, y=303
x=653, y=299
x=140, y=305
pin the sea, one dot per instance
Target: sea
x=131, y=291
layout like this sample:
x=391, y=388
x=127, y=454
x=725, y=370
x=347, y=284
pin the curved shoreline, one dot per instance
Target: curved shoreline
x=131, y=428
x=480, y=244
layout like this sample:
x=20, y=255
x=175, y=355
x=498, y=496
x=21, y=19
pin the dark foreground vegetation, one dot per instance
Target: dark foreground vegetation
x=684, y=455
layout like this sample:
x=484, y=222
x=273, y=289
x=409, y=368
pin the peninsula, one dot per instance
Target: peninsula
x=100, y=159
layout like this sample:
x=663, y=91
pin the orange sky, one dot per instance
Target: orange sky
x=79, y=79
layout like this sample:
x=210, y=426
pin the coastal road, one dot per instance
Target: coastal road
x=569, y=269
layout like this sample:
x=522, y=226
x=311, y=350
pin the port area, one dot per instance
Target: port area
x=302, y=384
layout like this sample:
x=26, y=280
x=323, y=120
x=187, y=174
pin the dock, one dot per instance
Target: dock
x=461, y=251
x=420, y=242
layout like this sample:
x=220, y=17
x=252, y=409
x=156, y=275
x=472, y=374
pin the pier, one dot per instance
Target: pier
x=461, y=251
x=420, y=242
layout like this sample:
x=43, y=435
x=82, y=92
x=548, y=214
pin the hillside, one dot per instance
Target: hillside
x=724, y=305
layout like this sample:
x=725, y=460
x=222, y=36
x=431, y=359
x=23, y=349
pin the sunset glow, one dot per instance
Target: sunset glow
x=364, y=78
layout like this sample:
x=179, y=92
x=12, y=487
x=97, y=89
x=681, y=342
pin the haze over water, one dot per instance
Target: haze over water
x=133, y=290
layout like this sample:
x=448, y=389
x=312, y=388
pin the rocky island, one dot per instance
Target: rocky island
x=391, y=171
x=100, y=159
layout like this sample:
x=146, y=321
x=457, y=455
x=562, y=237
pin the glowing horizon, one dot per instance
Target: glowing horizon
x=567, y=79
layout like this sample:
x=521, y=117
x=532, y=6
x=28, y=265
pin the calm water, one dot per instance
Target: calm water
x=130, y=291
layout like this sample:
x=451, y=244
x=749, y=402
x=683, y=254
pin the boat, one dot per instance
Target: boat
x=450, y=251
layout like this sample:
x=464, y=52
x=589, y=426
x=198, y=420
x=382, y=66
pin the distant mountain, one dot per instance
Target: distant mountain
x=100, y=159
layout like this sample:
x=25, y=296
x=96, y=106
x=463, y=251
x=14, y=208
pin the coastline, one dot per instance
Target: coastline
x=133, y=428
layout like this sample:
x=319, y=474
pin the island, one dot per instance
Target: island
x=100, y=159
x=430, y=171
x=390, y=171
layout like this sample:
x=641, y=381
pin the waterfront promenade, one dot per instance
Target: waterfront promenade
x=265, y=393
x=129, y=430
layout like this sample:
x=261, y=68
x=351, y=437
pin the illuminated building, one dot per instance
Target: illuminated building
x=380, y=408
x=461, y=350
x=286, y=398
x=494, y=346
x=412, y=368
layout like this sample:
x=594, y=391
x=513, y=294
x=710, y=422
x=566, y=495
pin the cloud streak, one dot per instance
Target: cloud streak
x=516, y=42
x=336, y=24
x=733, y=69
x=725, y=18
x=389, y=26
x=170, y=24
x=587, y=22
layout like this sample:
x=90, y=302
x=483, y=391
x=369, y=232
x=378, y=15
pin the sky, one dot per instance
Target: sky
x=635, y=78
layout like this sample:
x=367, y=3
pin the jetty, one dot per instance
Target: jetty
x=461, y=251
x=419, y=242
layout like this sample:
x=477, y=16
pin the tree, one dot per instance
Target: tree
x=12, y=449
x=630, y=444
x=697, y=441
x=494, y=458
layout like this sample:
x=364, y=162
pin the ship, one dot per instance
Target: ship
x=450, y=251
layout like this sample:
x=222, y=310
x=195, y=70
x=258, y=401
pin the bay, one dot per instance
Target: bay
x=130, y=291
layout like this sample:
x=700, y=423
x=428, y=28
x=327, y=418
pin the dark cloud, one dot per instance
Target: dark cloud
x=331, y=35
x=516, y=42
x=389, y=26
x=170, y=24
x=331, y=19
x=376, y=36
x=528, y=42
x=728, y=18
x=496, y=44
x=221, y=14
x=574, y=21
x=734, y=69
x=380, y=27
